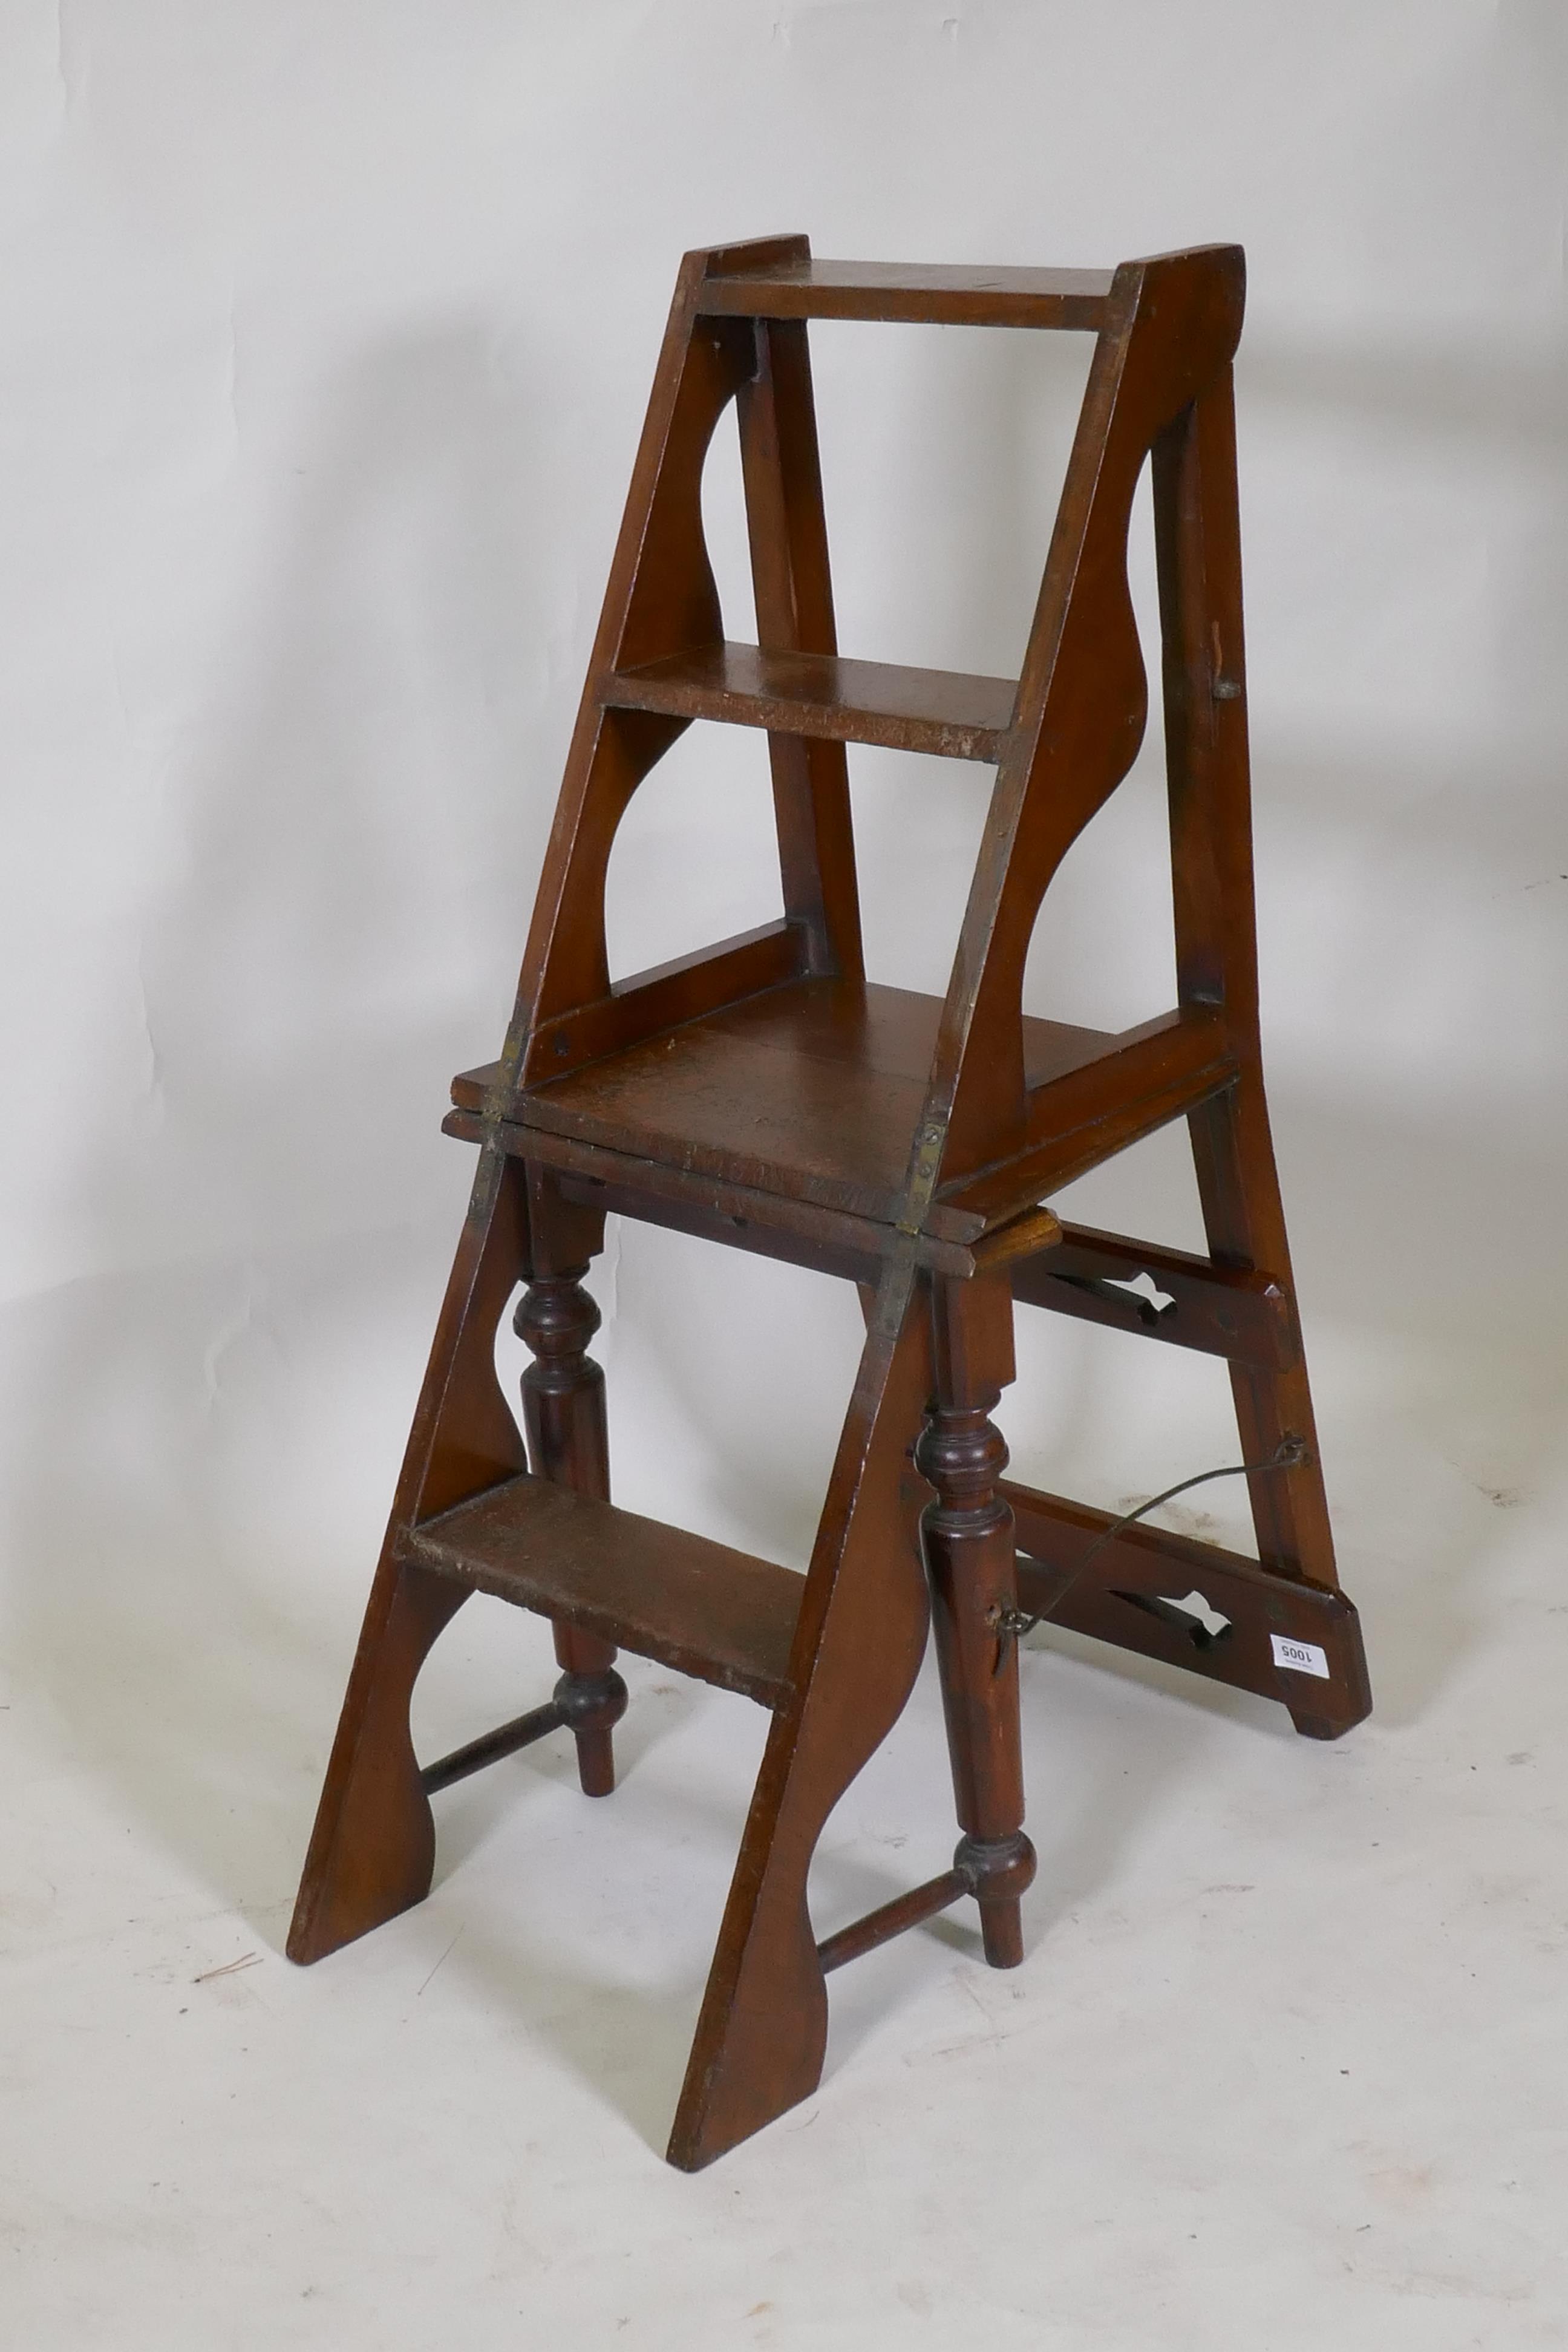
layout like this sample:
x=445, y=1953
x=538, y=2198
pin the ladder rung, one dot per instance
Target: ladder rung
x=891, y=1919
x=693, y=1605
x=937, y=294
x=947, y=711
x=1223, y=1310
x=478, y=1754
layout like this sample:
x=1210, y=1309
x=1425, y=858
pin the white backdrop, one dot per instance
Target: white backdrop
x=326, y=339
x=325, y=335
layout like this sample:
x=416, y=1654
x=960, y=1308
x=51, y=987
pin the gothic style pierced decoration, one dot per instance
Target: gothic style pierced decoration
x=765, y=1095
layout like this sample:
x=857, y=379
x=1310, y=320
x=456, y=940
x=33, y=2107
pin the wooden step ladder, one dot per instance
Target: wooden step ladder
x=764, y=1094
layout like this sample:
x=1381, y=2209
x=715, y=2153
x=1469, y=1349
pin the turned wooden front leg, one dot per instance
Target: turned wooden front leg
x=971, y=1562
x=568, y=1442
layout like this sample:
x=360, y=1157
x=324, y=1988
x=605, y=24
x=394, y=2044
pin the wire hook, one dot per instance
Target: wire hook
x=1011, y=1622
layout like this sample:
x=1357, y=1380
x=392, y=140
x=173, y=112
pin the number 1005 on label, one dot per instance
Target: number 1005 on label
x=1300, y=1657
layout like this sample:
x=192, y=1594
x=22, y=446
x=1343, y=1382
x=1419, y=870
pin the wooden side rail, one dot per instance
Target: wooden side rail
x=1221, y=1310
x=649, y=1002
x=1154, y=1075
x=1275, y=1635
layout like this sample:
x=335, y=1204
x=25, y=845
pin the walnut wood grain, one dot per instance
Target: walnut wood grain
x=564, y=1417
x=718, y=1614
x=792, y=586
x=649, y=1002
x=929, y=293
x=762, y=1093
x=950, y=713
x=967, y=1540
x=762, y=2033
x=813, y=1090
x=802, y=1223
x=1059, y=1581
x=1221, y=1310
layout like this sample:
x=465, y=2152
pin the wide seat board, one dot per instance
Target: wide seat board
x=815, y=1088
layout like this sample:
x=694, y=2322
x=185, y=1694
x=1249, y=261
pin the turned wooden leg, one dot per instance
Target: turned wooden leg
x=971, y=1562
x=568, y=1441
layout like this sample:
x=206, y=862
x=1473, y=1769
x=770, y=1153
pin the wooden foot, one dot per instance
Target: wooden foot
x=568, y=1442
x=594, y=1698
x=998, y=1872
x=762, y=2031
x=373, y=1848
x=972, y=1561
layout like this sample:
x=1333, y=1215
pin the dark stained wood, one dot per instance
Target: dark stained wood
x=652, y=1002
x=762, y=2031
x=813, y=1090
x=813, y=1251
x=1223, y=1310
x=787, y=534
x=1240, y=1196
x=1073, y=1123
x=660, y=598
x=970, y=1557
x=675, y=1190
x=929, y=293
x=471, y=1090
x=372, y=1848
x=491, y=1747
x=894, y=1918
x=1197, y=537
x=1171, y=326
x=941, y=711
x=697, y=1606
x=1054, y=1539
x=568, y=1441
x=762, y=1094
x=852, y=1249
